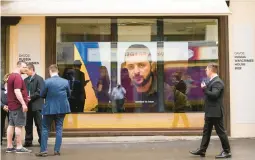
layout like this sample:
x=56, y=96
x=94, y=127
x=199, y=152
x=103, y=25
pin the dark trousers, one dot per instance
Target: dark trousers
x=119, y=105
x=4, y=114
x=46, y=124
x=77, y=105
x=219, y=127
x=3, y=117
x=37, y=117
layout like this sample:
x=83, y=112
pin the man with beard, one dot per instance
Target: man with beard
x=141, y=71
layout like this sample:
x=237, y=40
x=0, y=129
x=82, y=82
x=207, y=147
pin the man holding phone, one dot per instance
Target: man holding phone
x=34, y=84
x=214, y=91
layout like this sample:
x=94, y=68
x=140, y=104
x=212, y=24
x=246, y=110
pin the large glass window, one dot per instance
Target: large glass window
x=137, y=60
x=190, y=44
x=84, y=59
x=94, y=58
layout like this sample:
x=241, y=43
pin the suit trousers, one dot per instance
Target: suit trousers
x=220, y=130
x=77, y=105
x=46, y=125
x=37, y=117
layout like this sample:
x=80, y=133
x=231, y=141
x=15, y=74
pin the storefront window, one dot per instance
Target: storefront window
x=137, y=58
x=84, y=59
x=86, y=47
x=190, y=44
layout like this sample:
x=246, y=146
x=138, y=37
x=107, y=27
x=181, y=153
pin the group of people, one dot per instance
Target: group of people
x=22, y=101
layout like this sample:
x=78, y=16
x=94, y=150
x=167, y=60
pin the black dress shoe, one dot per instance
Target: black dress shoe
x=56, y=153
x=41, y=154
x=224, y=154
x=198, y=152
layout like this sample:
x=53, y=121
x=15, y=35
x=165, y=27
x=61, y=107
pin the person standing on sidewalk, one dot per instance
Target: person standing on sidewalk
x=56, y=93
x=214, y=91
x=17, y=106
x=4, y=105
x=34, y=84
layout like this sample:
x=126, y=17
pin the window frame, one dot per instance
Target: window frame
x=223, y=47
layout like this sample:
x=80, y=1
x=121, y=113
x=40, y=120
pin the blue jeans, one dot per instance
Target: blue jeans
x=46, y=124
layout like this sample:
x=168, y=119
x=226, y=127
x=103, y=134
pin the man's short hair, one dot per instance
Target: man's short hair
x=138, y=46
x=213, y=67
x=53, y=68
x=31, y=66
x=77, y=63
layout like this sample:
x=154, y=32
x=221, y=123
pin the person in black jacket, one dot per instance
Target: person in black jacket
x=180, y=100
x=214, y=92
x=4, y=105
x=34, y=84
x=76, y=79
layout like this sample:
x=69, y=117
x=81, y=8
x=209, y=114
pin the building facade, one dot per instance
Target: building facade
x=157, y=54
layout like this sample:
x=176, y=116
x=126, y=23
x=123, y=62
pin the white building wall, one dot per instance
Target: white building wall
x=242, y=39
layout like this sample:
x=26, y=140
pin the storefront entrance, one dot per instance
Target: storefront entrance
x=159, y=61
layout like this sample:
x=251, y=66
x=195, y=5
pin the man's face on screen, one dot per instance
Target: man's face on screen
x=138, y=65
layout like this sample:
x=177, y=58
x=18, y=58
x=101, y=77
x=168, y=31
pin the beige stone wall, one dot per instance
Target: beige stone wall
x=242, y=39
x=13, y=50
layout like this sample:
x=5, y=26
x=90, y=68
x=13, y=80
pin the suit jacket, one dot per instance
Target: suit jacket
x=35, y=85
x=78, y=85
x=4, y=100
x=56, y=93
x=214, y=98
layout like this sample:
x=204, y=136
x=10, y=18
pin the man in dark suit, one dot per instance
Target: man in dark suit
x=213, y=91
x=34, y=84
x=56, y=92
x=77, y=83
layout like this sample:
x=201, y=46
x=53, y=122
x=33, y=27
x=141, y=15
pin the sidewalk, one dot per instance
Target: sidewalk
x=132, y=139
x=137, y=148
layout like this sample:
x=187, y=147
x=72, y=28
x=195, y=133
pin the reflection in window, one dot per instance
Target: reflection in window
x=189, y=45
x=137, y=30
x=83, y=56
x=91, y=63
x=138, y=69
x=136, y=59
